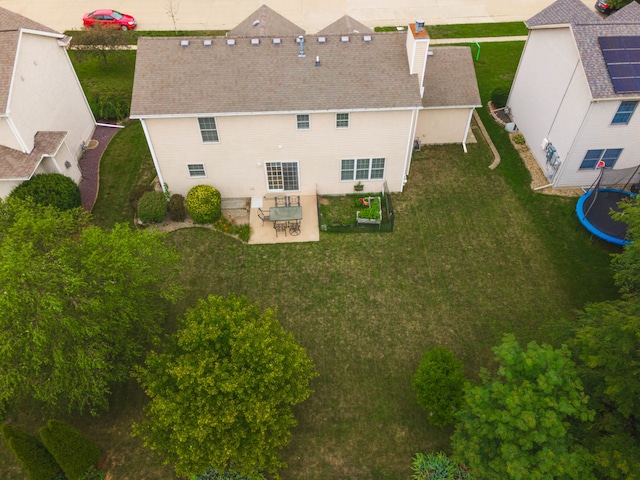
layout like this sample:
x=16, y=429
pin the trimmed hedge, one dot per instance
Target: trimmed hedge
x=152, y=207
x=75, y=453
x=500, y=96
x=36, y=461
x=177, y=210
x=52, y=189
x=204, y=204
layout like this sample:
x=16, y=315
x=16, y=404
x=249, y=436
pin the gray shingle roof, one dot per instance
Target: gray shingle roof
x=21, y=166
x=586, y=27
x=345, y=25
x=171, y=79
x=265, y=22
x=10, y=25
x=450, y=79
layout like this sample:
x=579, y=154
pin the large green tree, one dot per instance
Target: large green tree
x=222, y=390
x=619, y=3
x=79, y=304
x=518, y=423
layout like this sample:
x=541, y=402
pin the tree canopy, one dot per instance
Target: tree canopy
x=222, y=390
x=518, y=423
x=79, y=305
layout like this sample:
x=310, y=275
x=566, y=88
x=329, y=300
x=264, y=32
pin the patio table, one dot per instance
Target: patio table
x=285, y=213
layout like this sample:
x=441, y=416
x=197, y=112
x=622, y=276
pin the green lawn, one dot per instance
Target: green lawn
x=471, y=30
x=474, y=254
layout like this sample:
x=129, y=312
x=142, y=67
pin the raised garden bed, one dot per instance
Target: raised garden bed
x=372, y=213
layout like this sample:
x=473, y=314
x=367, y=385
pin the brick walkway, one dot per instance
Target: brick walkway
x=90, y=166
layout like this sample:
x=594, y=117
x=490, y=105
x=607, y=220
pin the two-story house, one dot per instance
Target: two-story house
x=576, y=91
x=270, y=108
x=44, y=116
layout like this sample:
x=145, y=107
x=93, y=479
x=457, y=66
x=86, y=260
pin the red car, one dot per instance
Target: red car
x=109, y=18
x=604, y=7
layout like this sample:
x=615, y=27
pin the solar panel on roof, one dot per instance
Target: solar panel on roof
x=622, y=56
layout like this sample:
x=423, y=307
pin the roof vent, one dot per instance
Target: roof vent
x=419, y=26
x=367, y=38
x=256, y=23
x=207, y=43
x=322, y=39
x=184, y=43
x=255, y=41
x=231, y=41
x=277, y=41
x=344, y=39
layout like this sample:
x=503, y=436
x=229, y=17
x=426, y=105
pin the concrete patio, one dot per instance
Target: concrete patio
x=264, y=234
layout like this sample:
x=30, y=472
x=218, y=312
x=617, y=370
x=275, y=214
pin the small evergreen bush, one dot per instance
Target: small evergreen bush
x=499, y=96
x=52, y=189
x=111, y=104
x=152, y=207
x=439, y=384
x=75, y=453
x=36, y=461
x=436, y=467
x=177, y=210
x=136, y=193
x=204, y=204
x=518, y=139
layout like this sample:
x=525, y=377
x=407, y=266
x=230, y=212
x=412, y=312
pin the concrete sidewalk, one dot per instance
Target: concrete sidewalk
x=311, y=15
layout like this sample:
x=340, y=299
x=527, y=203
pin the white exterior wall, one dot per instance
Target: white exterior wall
x=597, y=132
x=236, y=165
x=442, y=125
x=6, y=186
x=7, y=135
x=46, y=94
x=550, y=95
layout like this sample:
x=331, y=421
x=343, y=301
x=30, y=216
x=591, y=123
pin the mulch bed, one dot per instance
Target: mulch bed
x=90, y=166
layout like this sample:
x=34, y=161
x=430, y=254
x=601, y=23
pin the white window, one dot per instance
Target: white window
x=196, y=170
x=342, y=120
x=624, y=113
x=600, y=158
x=362, y=169
x=302, y=121
x=282, y=176
x=208, y=130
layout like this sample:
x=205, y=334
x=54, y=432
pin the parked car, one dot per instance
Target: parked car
x=109, y=18
x=604, y=7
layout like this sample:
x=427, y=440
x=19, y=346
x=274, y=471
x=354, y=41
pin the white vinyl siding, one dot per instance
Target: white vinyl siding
x=208, y=130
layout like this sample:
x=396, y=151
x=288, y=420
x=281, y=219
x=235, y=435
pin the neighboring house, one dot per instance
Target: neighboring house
x=44, y=115
x=576, y=91
x=269, y=108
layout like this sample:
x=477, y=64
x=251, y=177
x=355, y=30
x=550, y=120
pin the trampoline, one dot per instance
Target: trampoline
x=595, y=206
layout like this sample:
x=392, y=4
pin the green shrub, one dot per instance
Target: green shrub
x=499, y=96
x=136, y=193
x=152, y=207
x=243, y=232
x=52, y=189
x=177, y=210
x=436, y=467
x=35, y=459
x=439, y=384
x=93, y=474
x=518, y=139
x=227, y=474
x=110, y=104
x=75, y=453
x=204, y=204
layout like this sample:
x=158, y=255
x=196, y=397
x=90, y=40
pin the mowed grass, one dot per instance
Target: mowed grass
x=474, y=255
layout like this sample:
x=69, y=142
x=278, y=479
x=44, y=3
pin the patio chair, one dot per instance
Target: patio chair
x=294, y=200
x=294, y=227
x=263, y=216
x=280, y=201
x=280, y=227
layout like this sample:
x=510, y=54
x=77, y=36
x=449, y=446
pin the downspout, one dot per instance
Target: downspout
x=466, y=131
x=153, y=155
x=407, y=157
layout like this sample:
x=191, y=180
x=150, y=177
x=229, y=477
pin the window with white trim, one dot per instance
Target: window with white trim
x=593, y=157
x=302, y=121
x=196, y=170
x=362, y=169
x=282, y=176
x=624, y=113
x=208, y=130
x=342, y=120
